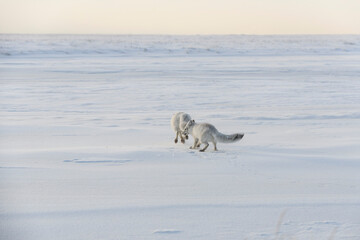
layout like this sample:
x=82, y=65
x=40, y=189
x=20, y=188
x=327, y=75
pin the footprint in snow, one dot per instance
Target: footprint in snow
x=166, y=231
x=97, y=161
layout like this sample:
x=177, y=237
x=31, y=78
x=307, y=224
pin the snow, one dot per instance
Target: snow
x=87, y=151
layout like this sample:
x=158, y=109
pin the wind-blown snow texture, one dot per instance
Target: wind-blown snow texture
x=87, y=152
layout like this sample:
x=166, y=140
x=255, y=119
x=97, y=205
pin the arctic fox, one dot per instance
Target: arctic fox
x=178, y=122
x=205, y=133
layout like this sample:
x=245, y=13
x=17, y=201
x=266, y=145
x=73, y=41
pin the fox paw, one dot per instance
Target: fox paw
x=183, y=140
x=176, y=140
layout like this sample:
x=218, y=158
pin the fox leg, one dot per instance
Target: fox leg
x=182, y=138
x=196, y=141
x=206, y=146
x=215, y=149
x=176, y=138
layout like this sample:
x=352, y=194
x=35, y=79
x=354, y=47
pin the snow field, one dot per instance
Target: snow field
x=87, y=152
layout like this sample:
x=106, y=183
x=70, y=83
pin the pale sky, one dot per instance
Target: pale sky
x=180, y=16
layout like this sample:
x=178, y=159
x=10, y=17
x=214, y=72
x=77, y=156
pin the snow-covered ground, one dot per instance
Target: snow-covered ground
x=87, y=152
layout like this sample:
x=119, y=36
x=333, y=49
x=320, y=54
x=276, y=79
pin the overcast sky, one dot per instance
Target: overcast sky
x=180, y=16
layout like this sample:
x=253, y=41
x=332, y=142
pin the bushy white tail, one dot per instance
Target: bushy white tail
x=229, y=138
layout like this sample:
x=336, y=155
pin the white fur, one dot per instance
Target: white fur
x=205, y=133
x=178, y=123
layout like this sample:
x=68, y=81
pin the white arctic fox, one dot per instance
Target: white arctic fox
x=205, y=133
x=178, y=122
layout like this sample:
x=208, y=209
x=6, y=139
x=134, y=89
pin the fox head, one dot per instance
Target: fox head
x=188, y=126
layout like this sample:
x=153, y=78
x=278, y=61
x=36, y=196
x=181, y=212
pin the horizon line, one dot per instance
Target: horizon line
x=189, y=34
